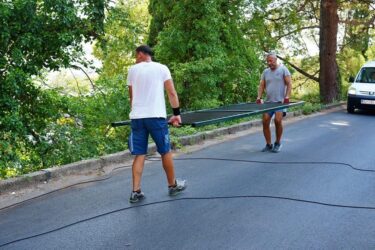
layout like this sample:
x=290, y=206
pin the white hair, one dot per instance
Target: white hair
x=271, y=54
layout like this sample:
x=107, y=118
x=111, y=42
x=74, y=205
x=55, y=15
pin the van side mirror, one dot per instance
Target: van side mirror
x=351, y=79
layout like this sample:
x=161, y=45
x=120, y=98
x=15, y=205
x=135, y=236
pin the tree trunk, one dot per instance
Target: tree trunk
x=329, y=81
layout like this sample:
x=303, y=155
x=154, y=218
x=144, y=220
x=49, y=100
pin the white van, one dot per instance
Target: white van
x=361, y=94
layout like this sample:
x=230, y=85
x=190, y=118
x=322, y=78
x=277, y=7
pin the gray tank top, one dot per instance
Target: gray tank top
x=275, y=84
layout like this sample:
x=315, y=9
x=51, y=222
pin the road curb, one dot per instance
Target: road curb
x=97, y=165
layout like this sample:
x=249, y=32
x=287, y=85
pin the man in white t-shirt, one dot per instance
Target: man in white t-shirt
x=276, y=81
x=147, y=81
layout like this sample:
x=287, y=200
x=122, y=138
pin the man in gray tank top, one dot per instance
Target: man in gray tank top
x=276, y=81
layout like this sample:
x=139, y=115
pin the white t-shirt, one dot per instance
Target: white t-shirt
x=147, y=81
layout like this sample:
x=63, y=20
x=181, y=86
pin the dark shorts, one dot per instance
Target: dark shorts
x=280, y=110
x=141, y=128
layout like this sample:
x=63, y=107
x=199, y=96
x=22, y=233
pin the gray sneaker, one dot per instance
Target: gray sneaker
x=136, y=196
x=277, y=147
x=267, y=148
x=178, y=188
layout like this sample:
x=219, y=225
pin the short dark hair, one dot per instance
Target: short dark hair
x=145, y=50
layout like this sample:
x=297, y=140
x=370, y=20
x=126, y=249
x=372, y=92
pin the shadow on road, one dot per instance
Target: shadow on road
x=365, y=112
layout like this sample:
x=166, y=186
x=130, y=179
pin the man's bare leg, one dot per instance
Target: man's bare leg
x=168, y=166
x=266, y=128
x=137, y=169
x=279, y=126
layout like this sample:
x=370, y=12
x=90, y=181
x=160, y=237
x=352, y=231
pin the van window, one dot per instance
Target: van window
x=367, y=75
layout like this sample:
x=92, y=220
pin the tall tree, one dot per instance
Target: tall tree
x=329, y=80
x=160, y=12
x=285, y=25
x=203, y=44
x=126, y=26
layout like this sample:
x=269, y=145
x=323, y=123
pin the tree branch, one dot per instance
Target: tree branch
x=91, y=82
x=54, y=88
x=79, y=89
x=304, y=82
x=87, y=75
x=297, y=30
x=299, y=70
x=301, y=84
x=357, y=22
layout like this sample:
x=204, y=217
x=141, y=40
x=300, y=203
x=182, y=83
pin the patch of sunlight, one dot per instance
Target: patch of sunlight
x=340, y=123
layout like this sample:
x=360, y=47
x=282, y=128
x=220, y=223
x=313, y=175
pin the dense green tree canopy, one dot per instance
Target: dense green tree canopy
x=40, y=34
x=203, y=43
x=126, y=27
x=36, y=35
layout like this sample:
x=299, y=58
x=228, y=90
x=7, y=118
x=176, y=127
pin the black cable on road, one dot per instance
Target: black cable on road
x=193, y=198
x=199, y=158
x=189, y=199
x=270, y=162
x=66, y=187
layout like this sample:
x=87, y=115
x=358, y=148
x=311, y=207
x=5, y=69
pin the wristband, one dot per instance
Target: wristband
x=176, y=111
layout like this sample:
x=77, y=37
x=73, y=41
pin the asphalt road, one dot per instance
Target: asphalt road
x=245, y=222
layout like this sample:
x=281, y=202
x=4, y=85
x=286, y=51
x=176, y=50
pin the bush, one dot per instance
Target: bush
x=309, y=108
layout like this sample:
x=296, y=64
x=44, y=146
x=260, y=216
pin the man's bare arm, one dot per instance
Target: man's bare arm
x=261, y=88
x=175, y=120
x=130, y=95
x=172, y=94
x=288, y=83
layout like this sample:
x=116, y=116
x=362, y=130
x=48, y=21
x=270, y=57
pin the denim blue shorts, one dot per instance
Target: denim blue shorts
x=142, y=128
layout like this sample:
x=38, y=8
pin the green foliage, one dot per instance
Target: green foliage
x=37, y=35
x=312, y=97
x=359, y=26
x=292, y=27
x=278, y=25
x=85, y=131
x=80, y=129
x=46, y=34
x=370, y=53
x=201, y=41
x=125, y=28
x=24, y=119
x=309, y=108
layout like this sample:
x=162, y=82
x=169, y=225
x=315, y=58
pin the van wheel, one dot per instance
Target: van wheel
x=350, y=109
